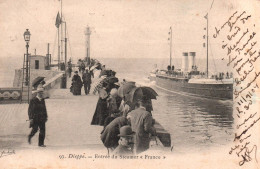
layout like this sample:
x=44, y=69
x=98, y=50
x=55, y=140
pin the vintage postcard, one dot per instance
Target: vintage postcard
x=129, y=84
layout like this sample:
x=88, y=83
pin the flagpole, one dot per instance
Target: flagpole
x=171, y=48
x=207, y=46
x=58, y=48
x=61, y=31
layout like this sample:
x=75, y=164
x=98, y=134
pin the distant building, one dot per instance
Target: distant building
x=39, y=62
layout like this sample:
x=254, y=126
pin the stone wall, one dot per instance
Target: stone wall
x=48, y=74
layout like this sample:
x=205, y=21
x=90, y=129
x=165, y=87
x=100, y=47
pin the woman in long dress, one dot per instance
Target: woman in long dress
x=76, y=84
x=101, y=111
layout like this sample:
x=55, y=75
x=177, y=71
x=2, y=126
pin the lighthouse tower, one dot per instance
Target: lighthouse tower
x=88, y=33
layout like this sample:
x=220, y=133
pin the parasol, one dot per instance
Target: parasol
x=111, y=80
x=37, y=81
x=140, y=93
x=98, y=84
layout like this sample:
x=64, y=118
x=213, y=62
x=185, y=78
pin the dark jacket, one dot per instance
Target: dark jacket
x=142, y=124
x=76, y=85
x=76, y=79
x=109, y=135
x=86, y=77
x=37, y=110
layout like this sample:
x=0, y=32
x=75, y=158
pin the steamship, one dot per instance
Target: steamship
x=190, y=81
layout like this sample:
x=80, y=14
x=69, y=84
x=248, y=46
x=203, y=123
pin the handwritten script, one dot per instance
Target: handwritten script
x=8, y=152
x=239, y=42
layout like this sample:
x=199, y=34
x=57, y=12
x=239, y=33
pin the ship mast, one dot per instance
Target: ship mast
x=207, y=45
x=88, y=33
x=61, y=31
x=58, y=48
x=170, y=33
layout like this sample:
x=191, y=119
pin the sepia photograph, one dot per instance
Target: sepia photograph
x=129, y=84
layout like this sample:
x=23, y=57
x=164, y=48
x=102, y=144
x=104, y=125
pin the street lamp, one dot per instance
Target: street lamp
x=27, y=35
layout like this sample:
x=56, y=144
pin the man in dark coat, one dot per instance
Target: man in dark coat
x=76, y=84
x=38, y=117
x=109, y=135
x=69, y=68
x=142, y=124
x=86, y=78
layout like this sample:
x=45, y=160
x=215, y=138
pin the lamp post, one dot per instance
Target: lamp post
x=27, y=35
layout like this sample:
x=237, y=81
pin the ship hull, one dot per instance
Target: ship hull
x=152, y=77
x=182, y=86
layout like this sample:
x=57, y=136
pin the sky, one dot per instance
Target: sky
x=120, y=28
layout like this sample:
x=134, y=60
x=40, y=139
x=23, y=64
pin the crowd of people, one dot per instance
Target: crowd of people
x=78, y=82
x=126, y=116
x=128, y=125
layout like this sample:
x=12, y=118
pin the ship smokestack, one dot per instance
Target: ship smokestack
x=192, y=60
x=185, y=61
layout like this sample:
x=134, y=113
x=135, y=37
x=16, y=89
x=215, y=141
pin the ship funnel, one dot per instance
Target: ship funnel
x=185, y=61
x=192, y=60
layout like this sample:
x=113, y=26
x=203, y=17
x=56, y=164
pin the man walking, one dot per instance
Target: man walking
x=38, y=117
x=69, y=68
x=86, y=78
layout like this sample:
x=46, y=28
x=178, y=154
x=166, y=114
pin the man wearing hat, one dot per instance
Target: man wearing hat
x=38, y=117
x=86, y=78
x=125, y=142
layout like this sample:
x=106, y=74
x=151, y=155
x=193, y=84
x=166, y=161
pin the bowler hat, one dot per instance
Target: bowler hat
x=126, y=131
x=76, y=72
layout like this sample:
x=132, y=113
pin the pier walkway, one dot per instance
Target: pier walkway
x=68, y=124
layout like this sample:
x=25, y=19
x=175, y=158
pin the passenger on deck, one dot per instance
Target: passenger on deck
x=142, y=124
x=76, y=84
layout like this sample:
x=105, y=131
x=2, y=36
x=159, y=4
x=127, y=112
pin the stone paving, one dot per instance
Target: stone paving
x=68, y=122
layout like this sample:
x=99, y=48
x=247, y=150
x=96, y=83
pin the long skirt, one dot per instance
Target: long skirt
x=101, y=113
x=76, y=89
